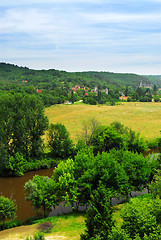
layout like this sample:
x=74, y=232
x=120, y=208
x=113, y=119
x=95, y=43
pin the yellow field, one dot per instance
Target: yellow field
x=141, y=117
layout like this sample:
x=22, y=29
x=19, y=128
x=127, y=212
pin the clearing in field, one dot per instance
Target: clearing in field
x=141, y=117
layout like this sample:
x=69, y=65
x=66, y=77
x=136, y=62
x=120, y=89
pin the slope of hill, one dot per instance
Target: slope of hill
x=49, y=79
x=154, y=79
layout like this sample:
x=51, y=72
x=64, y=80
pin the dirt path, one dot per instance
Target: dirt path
x=21, y=233
x=18, y=233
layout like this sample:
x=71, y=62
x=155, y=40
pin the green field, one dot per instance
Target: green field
x=140, y=116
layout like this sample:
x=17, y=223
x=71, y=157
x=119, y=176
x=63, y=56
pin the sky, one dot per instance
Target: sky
x=82, y=35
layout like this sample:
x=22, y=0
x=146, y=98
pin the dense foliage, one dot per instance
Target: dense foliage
x=54, y=87
x=22, y=123
x=7, y=209
x=60, y=144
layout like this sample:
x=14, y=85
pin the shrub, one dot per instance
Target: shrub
x=153, y=143
x=10, y=224
x=37, y=236
x=45, y=227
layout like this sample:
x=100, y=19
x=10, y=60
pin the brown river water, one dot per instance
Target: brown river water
x=13, y=188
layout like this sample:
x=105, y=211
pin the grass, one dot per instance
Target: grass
x=65, y=227
x=141, y=117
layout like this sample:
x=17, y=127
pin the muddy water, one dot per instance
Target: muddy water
x=13, y=188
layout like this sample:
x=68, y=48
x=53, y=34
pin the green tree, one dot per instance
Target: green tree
x=133, y=141
x=89, y=127
x=72, y=96
x=42, y=192
x=136, y=166
x=106, y=169
x=142, y=218
x=155, y=88
x=99, y=215
x=155, y=186
x=15, y=165
x=22, y=123
x=63, y=175
x=7, y=209
x=156, y=98
x=59, y=142
x=105, y=138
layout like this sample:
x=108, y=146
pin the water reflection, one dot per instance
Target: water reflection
x=13, y=188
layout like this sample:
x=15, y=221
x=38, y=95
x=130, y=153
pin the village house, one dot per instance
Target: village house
x=38, y=90
x=124, y=98
x=67, y=102
x=145, y=85
x=96, y=90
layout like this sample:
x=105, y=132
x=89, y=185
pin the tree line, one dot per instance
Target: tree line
x=54, y=87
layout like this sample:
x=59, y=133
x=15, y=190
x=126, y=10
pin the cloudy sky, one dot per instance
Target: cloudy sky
x=80, y=35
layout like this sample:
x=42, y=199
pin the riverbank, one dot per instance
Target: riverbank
x=13, y=188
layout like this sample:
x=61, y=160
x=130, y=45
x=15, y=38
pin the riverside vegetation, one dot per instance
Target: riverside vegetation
x=106, y=162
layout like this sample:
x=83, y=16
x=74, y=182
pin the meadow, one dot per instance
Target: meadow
x=140, y=116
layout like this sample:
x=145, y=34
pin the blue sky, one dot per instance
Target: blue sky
x=81, y=35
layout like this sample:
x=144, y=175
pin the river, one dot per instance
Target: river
x=13, y=188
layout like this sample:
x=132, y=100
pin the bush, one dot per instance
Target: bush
x=45, y=227
x=10, y=224
x=37, y=236
x=153, y=143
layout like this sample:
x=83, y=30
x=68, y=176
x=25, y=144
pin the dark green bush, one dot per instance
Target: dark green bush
x=10, y=224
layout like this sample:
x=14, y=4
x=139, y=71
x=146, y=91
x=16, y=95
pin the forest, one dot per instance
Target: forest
x=54, y=87
x=106, y=162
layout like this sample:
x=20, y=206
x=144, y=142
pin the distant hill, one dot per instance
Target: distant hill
x=49, y=79
x=154, y=79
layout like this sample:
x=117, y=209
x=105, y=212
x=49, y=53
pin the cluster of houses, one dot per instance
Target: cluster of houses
x=86, y=89
x=144, y=85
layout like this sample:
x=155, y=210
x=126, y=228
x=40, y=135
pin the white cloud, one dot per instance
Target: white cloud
x=69, y=36
x=26, y=21
x=117, y=17
x=31, y=2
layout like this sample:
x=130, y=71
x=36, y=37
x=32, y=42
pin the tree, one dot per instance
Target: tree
x=142, y=218
x=106, y=169
x=22, y=124
x=99, y=215
x=155, y=186
x=156, y=98
x=89, y=127
x=155, y=88
x=15, y=165
x=105, y=138
x=133, y=141
x=66, y=182
x=72, y=96
x=59, y=142
x=137, y=168
x=7, y=209
x=42, y=192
